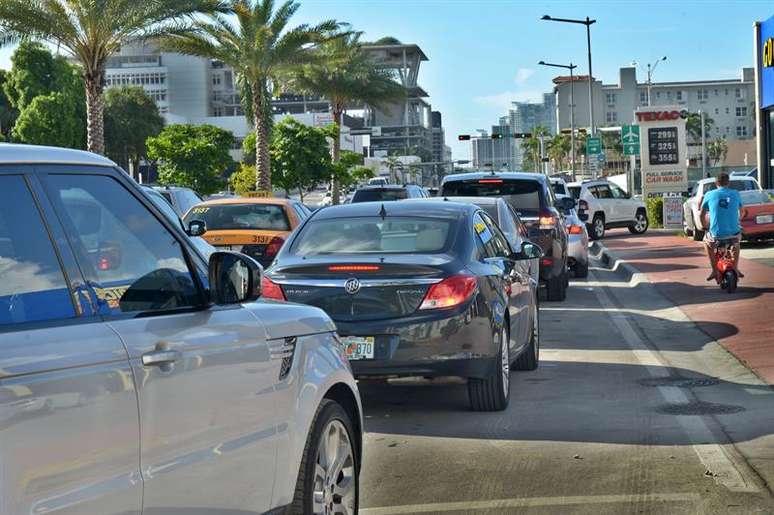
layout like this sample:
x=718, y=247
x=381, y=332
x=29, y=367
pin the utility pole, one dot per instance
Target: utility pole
x=570, y=67
x=703, y=147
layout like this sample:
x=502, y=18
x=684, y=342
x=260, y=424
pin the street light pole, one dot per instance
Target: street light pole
x=588, y=22
x=570, y=67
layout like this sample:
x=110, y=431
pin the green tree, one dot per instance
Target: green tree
x=717, y=149
x=348, y=170
x=194, y=156
x=346, y=76
x=531, y=148
x=262, y=50
x=36, y=71
x=299, y=155
x=243, y=179
x=8, y=113
x=393, y=164
x=131, y=117
x=91, y=31
x=52, y=119
x=559, y=149
x=693, y=126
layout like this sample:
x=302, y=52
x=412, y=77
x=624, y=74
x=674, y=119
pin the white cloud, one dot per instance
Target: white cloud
x=522, y=75
x=502, y=101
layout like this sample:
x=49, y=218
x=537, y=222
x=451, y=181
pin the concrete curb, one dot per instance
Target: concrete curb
x=623, y=269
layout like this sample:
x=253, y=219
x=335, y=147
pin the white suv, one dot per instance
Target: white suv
x=692, y=223
x=606, y=206
x=136, y=376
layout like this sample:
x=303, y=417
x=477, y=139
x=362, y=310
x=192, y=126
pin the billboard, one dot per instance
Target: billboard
x=766, y=63
x=663, y=149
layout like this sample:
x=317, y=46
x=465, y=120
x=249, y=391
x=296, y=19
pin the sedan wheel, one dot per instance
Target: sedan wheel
x=494, y=392
x=530, y=357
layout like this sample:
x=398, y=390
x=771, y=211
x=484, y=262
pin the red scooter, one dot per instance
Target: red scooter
x=726, y=274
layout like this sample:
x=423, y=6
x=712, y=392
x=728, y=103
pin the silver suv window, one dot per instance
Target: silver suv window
x=131, y=260
x=33, y=287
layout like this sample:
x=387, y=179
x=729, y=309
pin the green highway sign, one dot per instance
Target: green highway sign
x=593, y=146
x=630, y=138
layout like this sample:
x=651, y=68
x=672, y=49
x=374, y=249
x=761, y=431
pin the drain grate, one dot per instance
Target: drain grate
x=678, y=382
x=699, y=408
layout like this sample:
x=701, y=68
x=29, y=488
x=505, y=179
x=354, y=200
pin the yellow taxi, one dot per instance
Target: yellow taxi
x=257, y=227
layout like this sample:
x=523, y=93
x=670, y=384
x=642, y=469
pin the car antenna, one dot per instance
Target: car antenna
x=382, y=212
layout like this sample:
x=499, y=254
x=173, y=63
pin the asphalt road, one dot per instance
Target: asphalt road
x=596, y=429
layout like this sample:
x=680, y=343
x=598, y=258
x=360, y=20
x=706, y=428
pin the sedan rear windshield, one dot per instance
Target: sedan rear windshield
x=374, y=235
x=750, y=198
x=267, y=217
x=523, y=195
x=378, y=194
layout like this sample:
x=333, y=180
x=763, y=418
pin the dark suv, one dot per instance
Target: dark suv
x=531, y=196
x=388, y=192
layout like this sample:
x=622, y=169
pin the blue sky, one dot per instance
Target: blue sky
x=483, y=53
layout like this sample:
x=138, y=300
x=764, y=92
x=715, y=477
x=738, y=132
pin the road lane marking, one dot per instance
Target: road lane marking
x=712, y=455
x=531, y=502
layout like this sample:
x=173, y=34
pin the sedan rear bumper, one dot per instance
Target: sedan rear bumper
x=457, y=342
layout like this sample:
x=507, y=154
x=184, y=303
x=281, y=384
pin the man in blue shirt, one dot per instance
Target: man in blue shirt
x=723, y=205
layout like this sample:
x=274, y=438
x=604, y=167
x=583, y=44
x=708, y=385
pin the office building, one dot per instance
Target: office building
x=729, y=102
x=526, y=116
x=503, y=149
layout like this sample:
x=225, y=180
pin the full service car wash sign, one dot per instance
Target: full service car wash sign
x=663, y=149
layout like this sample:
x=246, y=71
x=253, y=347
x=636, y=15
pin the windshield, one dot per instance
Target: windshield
x=268, y=217
x=376, y=194
x=523, y=195
x=755, y=197
x=369, y=235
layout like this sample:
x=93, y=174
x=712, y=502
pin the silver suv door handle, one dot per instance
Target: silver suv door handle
x=160, y=357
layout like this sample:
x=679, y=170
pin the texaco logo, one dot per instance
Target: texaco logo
x=352, y=286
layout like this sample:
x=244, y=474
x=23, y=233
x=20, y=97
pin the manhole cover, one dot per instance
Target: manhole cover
x=698, y=408
x=678, y=382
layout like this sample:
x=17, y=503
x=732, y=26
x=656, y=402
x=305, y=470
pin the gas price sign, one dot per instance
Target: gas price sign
x=663, y=146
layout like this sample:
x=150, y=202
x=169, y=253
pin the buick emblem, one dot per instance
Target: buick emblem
x=352, y=286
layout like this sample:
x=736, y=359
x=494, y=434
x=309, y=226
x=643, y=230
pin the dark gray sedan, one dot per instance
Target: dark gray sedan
x=423, y=288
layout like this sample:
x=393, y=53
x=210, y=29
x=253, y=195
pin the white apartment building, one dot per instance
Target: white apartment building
x=729, y=102
x=200, y=91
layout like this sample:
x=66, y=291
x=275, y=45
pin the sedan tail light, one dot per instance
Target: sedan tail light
x=575, y=229
x=546, y=221
x=450, y=292
x=273, y=247
x=271, y=290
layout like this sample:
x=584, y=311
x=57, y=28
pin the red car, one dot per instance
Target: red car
x=757, y=215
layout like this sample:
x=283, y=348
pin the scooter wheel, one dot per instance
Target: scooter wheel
x=730, y=278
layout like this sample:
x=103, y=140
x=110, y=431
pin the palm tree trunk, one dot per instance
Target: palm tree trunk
x=262, y=163
x=95, y=107
x=338, y=111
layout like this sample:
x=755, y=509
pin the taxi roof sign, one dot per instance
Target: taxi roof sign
x=259, y=194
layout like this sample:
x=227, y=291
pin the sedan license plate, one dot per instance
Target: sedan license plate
x=359, y=347
x=764, y=219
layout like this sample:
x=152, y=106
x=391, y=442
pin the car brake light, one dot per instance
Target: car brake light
x=450, y=292
x=274, y=246
x=354, y=268
x=271, y=290
x=490, y=181
x=547, y=261
x=575, y=229
x=546, y=222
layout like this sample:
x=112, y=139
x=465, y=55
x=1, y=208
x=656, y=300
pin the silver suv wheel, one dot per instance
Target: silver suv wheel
x=334, y=473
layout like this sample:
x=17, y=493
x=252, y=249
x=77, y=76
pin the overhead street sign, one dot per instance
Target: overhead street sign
x=630, y=139
x=593, y=146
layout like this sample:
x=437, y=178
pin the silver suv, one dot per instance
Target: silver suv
x=136, y=377
x=604, y=205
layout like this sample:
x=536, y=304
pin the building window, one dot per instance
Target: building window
x=717, y=111
x=611, y=116
x=716, y=92
x=216, y=79
x=741, y=111
x=726, y=91
x=727, y=111
x=643, y=97
x=741, y=131
x=739, y=93
x=610, y=98
x=658, y=94
x=703, y=94
x=679, y=95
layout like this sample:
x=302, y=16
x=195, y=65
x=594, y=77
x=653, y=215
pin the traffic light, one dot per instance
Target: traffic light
x=464, y=137
x=522, y=135
x=497, y=136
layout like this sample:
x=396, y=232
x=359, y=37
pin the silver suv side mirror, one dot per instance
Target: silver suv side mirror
x=234, y=278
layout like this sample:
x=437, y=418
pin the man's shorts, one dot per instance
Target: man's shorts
x=711, y=240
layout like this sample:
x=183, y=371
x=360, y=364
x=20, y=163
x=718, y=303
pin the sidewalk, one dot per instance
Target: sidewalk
x=678, y=268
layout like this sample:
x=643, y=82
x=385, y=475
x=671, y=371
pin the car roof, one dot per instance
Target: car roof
x=590, y=182
x=247, y=200
x=479, y=201
x=425, y=208
x=497, y=175
x=168, y=188
x=16, y=153
x=383, y=187
x=730, y=177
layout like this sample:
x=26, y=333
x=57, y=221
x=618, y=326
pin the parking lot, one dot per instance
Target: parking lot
x=636, y=408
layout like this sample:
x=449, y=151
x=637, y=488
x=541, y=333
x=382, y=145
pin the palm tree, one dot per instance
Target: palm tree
x=559, y=150
x=531, y=148
x=717, y=149
x=346, y=76
x=91, y=31
x=263, y=52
